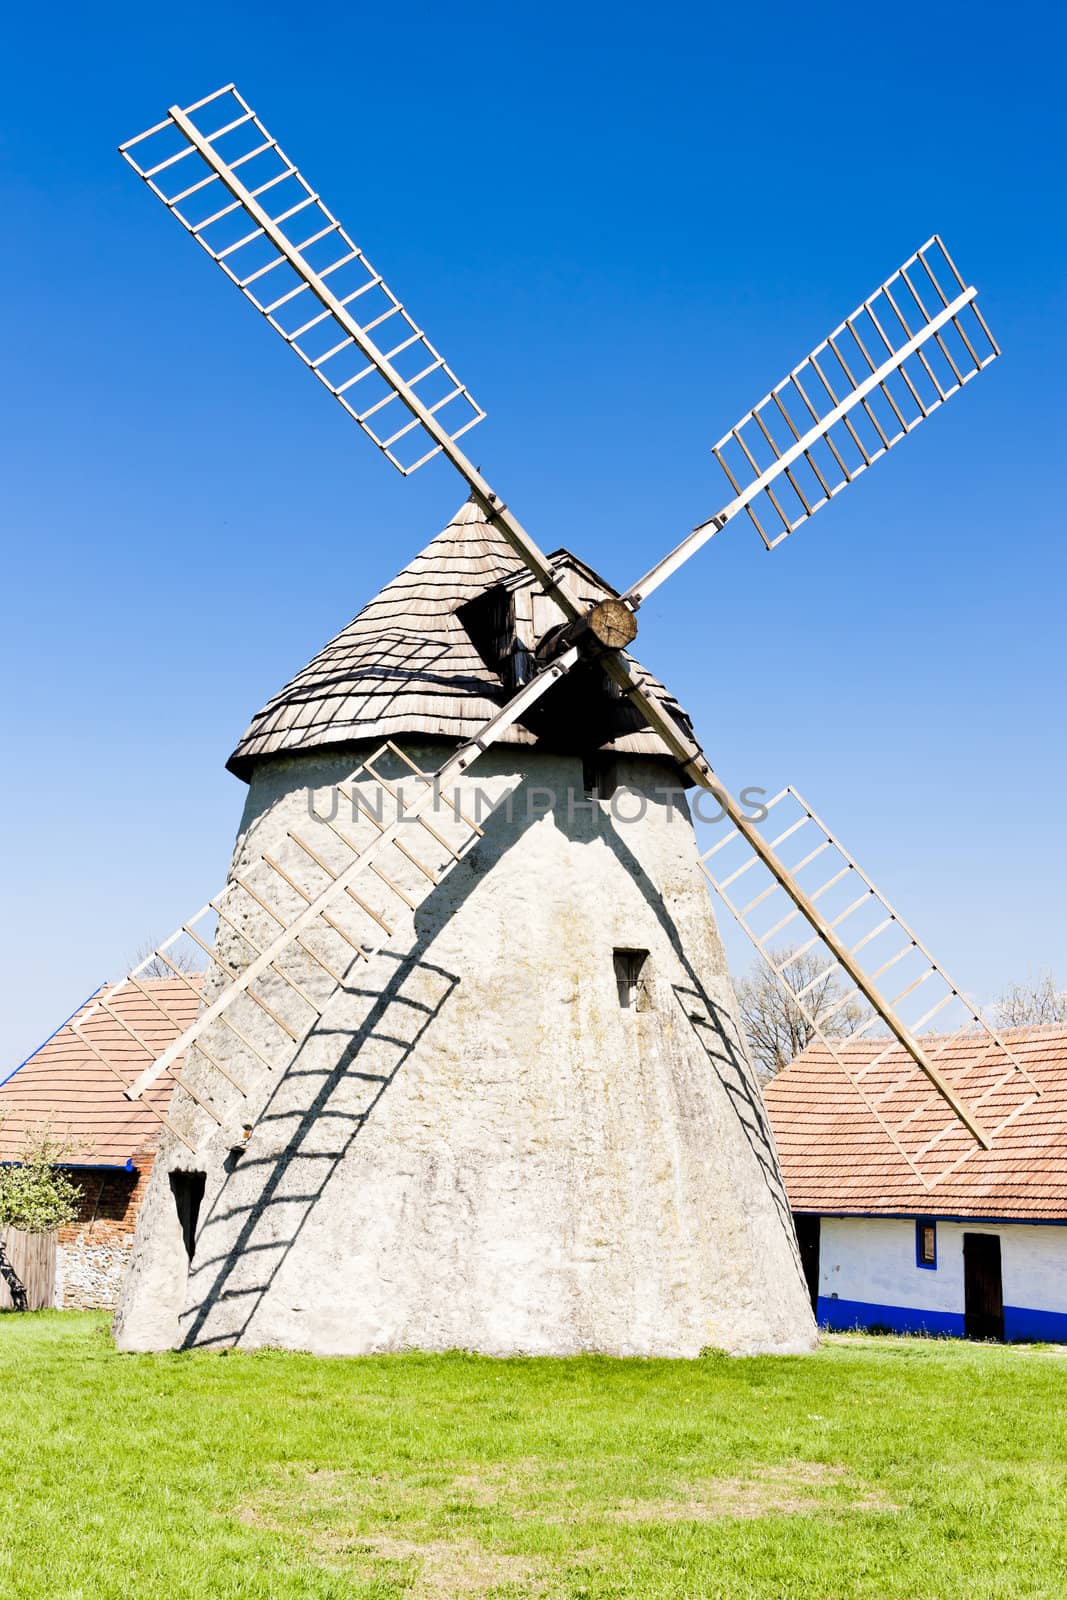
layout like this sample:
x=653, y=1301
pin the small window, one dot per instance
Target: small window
x=599, y=776
x=188, y=1191
x=926, y=1243
x=630, y=970
x=490, y=623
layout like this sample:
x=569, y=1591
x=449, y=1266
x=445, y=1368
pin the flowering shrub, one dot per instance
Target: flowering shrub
x=36, y=1195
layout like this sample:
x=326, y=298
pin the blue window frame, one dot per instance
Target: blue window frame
x=926, y=1243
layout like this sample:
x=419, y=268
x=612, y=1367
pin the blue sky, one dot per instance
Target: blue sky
x=621, y=225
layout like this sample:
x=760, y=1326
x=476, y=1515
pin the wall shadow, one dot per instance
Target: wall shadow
x=394, y=1019
x=305, y=1145
x=718, y=1035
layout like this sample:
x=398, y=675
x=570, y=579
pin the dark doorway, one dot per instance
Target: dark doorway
x=188, y=1191
x=983, y=1294
x=808, y=1240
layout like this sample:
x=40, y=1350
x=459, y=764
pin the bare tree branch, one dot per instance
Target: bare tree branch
x=775, y=1025
x=1031, y=1004
x=185, y=956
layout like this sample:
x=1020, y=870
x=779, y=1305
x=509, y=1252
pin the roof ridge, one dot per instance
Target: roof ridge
x=1021, y=1033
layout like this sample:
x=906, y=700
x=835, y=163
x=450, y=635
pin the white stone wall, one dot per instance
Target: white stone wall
x=1034, y=1264
x=478, y=1147
x=89, y=1273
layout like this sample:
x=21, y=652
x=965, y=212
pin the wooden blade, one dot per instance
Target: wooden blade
x=972, y=1071
x=222, y=175
x=900, y=355
x=691, y=759
x=226, y=179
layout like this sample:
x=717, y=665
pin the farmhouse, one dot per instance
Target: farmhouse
x=982, y=1254
x=110, y=1142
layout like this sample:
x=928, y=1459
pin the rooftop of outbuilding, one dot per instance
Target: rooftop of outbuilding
x=67, y=1088
x=837, y=1159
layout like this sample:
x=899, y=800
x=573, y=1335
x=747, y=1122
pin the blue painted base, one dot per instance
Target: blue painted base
x=1048, y=1326
x=841, y=1315
x=1020, y=1322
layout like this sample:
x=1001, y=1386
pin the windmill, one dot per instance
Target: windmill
x=382, y=955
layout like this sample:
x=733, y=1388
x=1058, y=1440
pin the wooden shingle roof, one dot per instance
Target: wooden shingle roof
x=836, y=1158
x=406, y=664
x=67, y=1087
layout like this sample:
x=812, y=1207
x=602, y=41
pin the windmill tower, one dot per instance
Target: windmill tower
x=528, y=1124
x=467, y=1069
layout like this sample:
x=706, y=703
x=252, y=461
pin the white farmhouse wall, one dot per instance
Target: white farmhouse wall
x=1035, y=1271
x=872, y=1260
x=869, y=1275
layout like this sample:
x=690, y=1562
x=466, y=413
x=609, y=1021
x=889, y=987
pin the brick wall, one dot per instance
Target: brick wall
x=93, y=1252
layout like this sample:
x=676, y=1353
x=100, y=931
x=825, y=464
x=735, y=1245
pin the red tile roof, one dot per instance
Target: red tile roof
x=65, y=1085
x=836, y=1158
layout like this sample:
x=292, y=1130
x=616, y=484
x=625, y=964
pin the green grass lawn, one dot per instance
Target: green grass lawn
x=877, y=1467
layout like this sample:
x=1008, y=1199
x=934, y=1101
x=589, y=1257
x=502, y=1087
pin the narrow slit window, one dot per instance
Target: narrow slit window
x=630, y=977
x=599, y=776
x=188, y=1191
x=926, y=1243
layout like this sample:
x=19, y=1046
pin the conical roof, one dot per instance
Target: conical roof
x=407, y=663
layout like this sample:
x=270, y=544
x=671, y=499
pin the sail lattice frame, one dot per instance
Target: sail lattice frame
x=228, y=182
x=909, y=347
x=933, y=1011
x=366, y=854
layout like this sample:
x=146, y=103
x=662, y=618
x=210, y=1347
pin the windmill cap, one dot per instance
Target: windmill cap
x=407, y=663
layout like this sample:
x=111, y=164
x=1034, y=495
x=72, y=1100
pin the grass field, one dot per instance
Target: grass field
x=896, y=1469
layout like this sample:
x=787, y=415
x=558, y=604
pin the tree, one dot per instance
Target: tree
x=775, y=1025
x=36, y=1196
x=1039, y=1001
x=185, y=956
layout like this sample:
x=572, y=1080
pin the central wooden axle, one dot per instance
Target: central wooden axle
x=609, y=625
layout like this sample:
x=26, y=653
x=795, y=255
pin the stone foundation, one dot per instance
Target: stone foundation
x=93, y=1253
x=89, y=1276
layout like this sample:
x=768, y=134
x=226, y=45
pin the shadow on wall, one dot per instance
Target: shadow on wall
x=719, y=1037
x=715, y=1031
x=259, y=1233
x=417, y=993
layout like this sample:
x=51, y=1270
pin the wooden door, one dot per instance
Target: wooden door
x=983, y=1293
x=28, y=1274
x=808, y=1233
